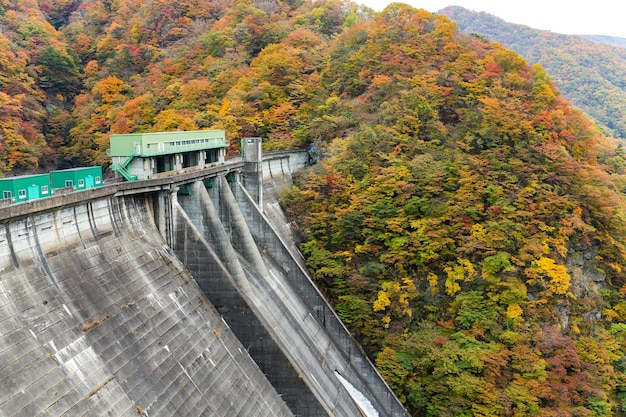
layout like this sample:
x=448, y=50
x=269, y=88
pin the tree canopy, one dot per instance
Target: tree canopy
x=465, y=220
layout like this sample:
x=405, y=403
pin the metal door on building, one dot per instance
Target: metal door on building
x=33, y=192
x=89, y=181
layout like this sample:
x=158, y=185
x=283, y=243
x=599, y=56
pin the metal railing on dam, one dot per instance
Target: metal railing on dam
x=133, y=298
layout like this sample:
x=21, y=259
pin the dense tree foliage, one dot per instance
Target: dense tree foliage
x=465, y=224
x=588, y=73
x=465, y=220
x=72, y=72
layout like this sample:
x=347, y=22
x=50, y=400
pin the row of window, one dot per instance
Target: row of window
x=189, y=142
x=81, y=182
x=160, y=145
x=22, y=193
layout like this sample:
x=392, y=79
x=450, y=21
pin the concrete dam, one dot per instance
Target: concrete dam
x=176, y=296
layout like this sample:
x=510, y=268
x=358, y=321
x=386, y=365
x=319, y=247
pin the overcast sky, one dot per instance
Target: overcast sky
x=595, y=17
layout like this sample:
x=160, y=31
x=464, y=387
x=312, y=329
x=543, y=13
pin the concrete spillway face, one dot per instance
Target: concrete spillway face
x=204, y=246
x=98, y=317
x=288, y=319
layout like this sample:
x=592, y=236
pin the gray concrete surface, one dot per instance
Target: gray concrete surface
x=204, y=245
x=99, y=318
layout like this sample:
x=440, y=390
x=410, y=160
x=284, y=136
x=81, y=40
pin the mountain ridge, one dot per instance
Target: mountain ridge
x=609, y=40
x=588, y=73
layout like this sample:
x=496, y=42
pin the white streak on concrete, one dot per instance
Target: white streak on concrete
x=361, y=401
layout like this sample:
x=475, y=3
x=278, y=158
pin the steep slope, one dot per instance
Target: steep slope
x=590, y=75
x=85, y=69
x=38, y=80
x=251, y=68
x=465, y=226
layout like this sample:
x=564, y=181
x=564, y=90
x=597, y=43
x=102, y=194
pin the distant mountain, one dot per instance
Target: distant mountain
x=589, y=73
x=609, y=40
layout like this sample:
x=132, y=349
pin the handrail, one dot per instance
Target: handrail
x=124, y=172
x=121, y=168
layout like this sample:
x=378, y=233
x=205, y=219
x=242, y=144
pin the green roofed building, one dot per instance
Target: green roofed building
x=25, y=188
x=141, y=156
x=78, y=178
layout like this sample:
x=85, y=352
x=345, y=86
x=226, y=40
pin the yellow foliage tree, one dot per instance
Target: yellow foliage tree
x=463, y=271
x=395, y=298
x=552, y=276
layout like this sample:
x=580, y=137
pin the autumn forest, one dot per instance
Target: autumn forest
x=465, y=220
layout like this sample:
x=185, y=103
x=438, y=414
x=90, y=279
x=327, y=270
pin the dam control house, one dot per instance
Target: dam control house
x=142, y=156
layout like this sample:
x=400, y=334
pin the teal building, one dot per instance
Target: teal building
x=25, y=188
x=78, y=178
x=141, y=156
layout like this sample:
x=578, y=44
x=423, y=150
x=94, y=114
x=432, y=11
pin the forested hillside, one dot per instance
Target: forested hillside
x=589, y=74
x=465, y=220
x=468, y=225
x=74, y=71
x=609, y=40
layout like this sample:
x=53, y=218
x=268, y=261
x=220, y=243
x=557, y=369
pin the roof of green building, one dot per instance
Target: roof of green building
x=163, y=143
x=23, y=177
x=76, y=169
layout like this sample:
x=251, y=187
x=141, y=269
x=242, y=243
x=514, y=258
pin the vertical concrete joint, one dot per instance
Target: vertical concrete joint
x=162, y=215
x=253, y=169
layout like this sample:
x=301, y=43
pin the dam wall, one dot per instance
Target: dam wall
x=270, y=317
x=273, y=235
x=179, y=296
x=99, y=317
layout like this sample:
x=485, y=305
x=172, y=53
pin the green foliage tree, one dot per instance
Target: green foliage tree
x=58, y=69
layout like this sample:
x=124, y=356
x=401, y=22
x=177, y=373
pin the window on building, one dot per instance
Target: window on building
x=7, y=194
x=21, y=194
x=81, y=183
x=44, y=189
x=98, y=180
x=69, y=183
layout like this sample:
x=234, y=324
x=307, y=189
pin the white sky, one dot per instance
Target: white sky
x=571, y=17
